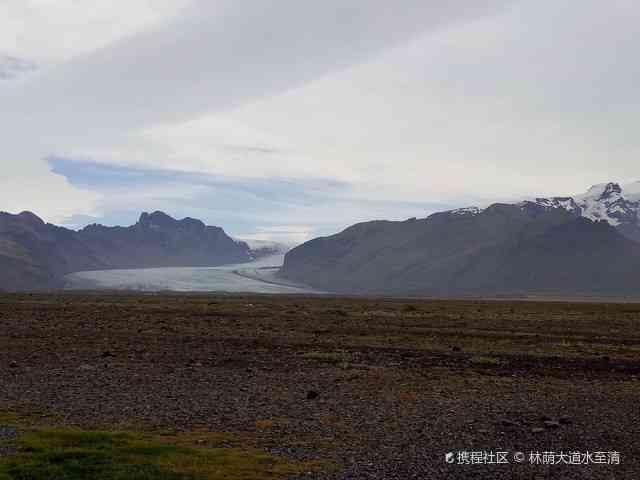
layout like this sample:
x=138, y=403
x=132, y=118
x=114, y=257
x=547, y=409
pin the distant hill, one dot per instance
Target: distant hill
x=35, y=254
x=533, y=247
x=158, y=240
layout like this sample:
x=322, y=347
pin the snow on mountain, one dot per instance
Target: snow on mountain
x=466, y=211
x=608, y=202
x=568, y=203
x=617, y=205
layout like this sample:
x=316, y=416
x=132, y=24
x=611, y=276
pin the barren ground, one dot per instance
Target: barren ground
x=372, y=388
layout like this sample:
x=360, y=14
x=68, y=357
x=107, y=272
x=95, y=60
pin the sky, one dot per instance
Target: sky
x=288, y=119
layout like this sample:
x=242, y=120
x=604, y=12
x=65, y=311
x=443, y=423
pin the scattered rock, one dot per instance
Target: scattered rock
x=550, y=424
x=564, y=420
x=509, y=423
x=13, y=365
x=537, y=430
x=546, y=418
x=107, y=354
x=85, y=367
x=312, y=395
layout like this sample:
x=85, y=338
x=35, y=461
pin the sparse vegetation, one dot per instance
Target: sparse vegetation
x=203, y=383
x=327, y=357
x=485, y=360
x=74, y=454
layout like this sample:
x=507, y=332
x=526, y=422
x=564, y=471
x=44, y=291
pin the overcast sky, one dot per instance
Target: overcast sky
x=287, y=119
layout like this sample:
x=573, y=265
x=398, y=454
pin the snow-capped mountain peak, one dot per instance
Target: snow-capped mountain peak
x=618, y=205
x=604, y=192
x=608, y=202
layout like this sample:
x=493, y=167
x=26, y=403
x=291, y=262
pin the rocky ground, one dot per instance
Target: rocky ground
x=376, y=388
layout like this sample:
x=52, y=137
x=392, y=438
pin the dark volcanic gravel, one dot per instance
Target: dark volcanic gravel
x=382, y=388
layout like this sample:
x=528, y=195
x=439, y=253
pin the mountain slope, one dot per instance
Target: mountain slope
x=158, y=240
x=35, y=255
x=18, y=273
x=503, y=249
x=617, y=205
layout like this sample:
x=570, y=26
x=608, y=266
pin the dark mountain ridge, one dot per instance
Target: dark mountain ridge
x=501, y=250
x=158, y=240
x=36, y=255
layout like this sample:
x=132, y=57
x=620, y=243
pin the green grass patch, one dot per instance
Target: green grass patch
x=485, y=361
x=74, y=454
x=327, y=357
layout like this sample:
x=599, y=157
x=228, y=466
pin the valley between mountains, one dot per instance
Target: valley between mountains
x=585, y=245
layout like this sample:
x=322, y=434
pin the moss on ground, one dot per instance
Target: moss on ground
x=74, y=454
x=327, y=357
x=485, y=360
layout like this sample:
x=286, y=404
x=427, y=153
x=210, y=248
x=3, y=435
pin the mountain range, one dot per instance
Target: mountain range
x=585, y=244
x=36, y=255
x=576, y=245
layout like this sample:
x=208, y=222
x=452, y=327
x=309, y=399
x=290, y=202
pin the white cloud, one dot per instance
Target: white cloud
x=286, y=234
x=55, y=30
x=416, y=101
x=213, y=56
x=536, y=100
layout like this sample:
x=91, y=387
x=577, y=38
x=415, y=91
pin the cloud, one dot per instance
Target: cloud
x=12, y=67
x=212, y=56
x=110, y=178
x=290, y=235
x=220, y=54
x=539, y=99
x=409, y=104
x=257, y=208
x=55, y=30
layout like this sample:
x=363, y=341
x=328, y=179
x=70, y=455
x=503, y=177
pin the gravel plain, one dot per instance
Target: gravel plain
x=377, y=388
